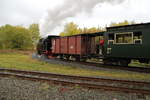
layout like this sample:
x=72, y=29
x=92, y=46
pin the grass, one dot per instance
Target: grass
x=138, y=64
x=24, y=61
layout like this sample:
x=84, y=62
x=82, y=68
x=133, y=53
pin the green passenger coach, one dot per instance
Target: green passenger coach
x=123, y=43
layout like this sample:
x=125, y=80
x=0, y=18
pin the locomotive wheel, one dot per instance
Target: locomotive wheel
x=39, y=52
x=43, y=56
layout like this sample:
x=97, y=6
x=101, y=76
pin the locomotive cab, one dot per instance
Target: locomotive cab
x=44, y=45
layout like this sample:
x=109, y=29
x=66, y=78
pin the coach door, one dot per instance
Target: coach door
x=110, y=43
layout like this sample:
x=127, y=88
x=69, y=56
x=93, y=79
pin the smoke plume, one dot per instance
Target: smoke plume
x=70, y=8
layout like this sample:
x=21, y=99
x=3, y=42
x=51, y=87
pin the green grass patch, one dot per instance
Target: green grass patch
x=138, y=64
x=25, y=62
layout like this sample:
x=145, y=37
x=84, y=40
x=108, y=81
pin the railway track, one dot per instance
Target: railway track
x=127, y=68
x=86, y=82
x=93, y=65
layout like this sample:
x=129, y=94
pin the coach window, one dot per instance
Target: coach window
x=111, y=38
x=137, y=37
x=124, y=38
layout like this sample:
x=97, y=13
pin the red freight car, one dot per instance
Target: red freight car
x=78, y=45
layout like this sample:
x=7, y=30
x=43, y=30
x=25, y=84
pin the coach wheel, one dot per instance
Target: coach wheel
x=124, y=63
x=144, y=61
x=107, y=62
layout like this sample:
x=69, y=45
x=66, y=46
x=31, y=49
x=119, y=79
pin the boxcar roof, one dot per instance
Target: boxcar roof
x=88, y=34
x=49, y=36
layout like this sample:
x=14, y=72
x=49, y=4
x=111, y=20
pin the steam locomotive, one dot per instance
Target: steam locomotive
x=117, y=45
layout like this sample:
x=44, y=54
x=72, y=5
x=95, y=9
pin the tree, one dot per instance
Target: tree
x=15, y=37
x=70, y=29
x=22, y=39
x=34, y=31
x=122, y=23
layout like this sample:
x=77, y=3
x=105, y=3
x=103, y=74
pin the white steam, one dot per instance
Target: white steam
x=70, y=8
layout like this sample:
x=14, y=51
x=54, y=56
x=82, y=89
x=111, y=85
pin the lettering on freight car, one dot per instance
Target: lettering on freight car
x=71, y=47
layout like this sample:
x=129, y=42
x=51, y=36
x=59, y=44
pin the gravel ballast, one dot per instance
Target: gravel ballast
x=15, y=89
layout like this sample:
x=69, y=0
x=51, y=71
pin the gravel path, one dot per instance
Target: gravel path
x=14, y=89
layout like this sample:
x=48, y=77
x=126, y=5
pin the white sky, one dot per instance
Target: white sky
x=26, y=12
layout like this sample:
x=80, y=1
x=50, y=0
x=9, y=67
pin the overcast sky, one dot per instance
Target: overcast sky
x=46, y=12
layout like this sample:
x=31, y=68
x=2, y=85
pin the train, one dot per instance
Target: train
x=117, y=45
